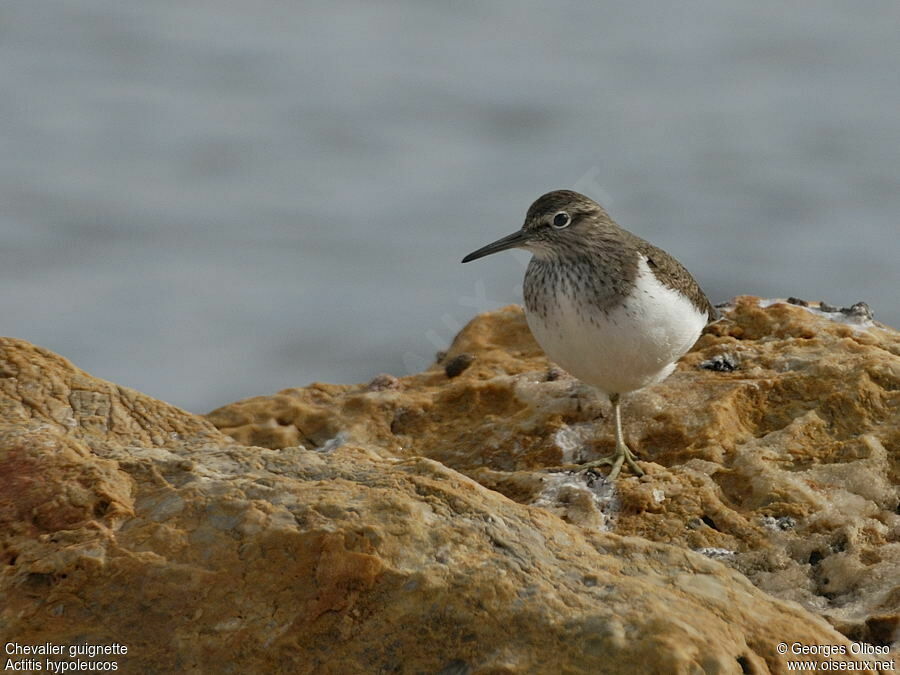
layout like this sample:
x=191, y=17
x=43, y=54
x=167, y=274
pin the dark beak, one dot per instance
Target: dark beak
x=515, y=239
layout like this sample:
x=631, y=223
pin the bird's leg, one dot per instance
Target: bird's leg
x=622, y=454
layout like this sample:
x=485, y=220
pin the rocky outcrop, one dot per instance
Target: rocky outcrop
x=410, y=525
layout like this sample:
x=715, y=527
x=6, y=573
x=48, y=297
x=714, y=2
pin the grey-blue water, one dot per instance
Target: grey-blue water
x=210, y=200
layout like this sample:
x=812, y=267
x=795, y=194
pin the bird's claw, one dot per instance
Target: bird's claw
x=620, y=457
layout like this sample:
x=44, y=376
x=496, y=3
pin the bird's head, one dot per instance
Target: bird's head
x=559, y=223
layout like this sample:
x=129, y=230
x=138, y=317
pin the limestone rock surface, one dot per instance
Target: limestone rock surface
x=775, y=446
x=408, y=526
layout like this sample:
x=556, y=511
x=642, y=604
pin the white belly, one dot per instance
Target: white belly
x=627, y=348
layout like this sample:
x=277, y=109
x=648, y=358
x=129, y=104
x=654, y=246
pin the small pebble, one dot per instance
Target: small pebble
x=554, y=374
x=458, y=364
x=783, y=523
x=722, y=363
x=860, y=309
x=383, y=382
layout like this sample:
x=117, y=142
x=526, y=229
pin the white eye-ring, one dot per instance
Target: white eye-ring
x=561, y=220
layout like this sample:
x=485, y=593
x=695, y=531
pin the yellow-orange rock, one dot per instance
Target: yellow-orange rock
x=342, y=546
x=786, y=467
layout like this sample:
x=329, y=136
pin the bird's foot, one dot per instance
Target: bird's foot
x=620, y=457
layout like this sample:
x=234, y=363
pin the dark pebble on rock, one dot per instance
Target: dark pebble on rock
x=722, y=363
x=458, y=364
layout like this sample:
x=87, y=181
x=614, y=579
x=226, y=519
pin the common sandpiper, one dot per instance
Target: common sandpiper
x=610, y=308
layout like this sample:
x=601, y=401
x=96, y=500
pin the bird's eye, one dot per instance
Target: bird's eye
x=561, y=220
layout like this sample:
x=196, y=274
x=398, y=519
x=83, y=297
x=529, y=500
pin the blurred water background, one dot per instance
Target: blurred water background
x=210, y=200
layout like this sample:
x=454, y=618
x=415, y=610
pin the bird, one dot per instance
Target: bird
x=610, y=308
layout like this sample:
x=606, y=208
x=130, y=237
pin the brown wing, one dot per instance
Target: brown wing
x=673, y=274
